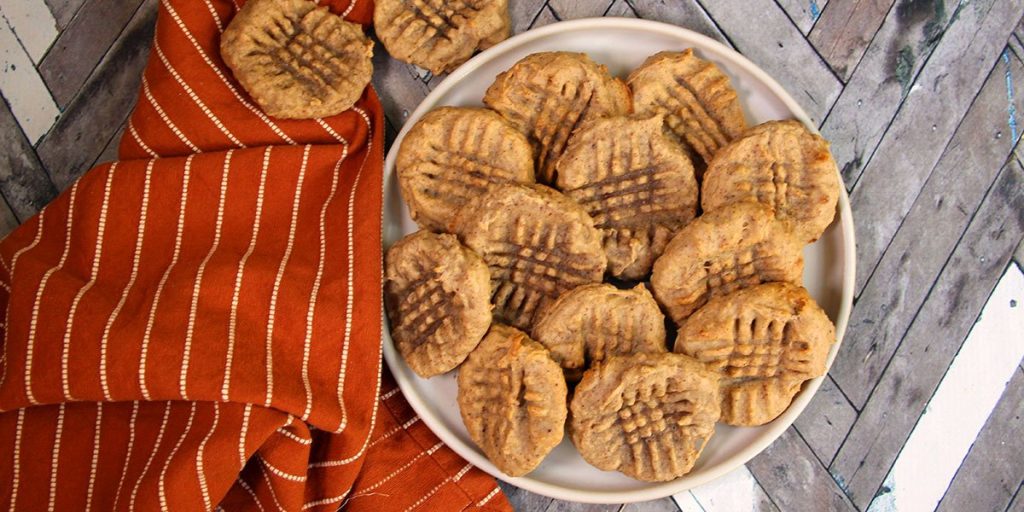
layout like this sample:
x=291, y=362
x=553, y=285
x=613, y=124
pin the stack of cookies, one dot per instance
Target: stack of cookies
x=562, y=223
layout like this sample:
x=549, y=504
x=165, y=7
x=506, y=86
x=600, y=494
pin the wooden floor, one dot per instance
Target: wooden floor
x=921, y=100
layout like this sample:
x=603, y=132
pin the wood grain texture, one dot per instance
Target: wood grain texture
x=109, y=152
x=794, y=479
x=685, y=13
x=811, y=83
x=82, y=44
x=23, y=181
x=621, y=9
x=927, y=122
x=64, y=10
x=990, y=475
x=844, y=30
x=82, y=132
x=1017, y=505
x=404, y=88
x=881, y=81
x=7, y=219
x=933, y=339
x=523, y=13
x=804, y=13
x=826, y=421
x=572, y=9
x=662, y=505
x=929, y=233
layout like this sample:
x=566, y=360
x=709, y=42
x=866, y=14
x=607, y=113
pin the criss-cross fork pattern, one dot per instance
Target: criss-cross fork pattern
x=299, y=48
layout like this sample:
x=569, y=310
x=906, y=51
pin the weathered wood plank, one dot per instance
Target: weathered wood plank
x=811, y=82
x=927, y=122
x=734, y=491
x=826, y=421
x=521, y=499
x=7, y=219
x=929, y=232
x=1017, y=505
x=992, y=471
x=662, y=505
x=82, y=44
x=844, y=30
x=64, y=10
x=1018, y=255
x=109, y=153
x=792, y=476
x=82, y=132
x=398, y=85
x=23, y=88
x=804, y=13
x=933, y=339
x=621, y=9
x=877, y=87
x=546, y=17
x=572, y=506
x=685, y=13
x=573, y=9
x=23, y=181
x=523, y=13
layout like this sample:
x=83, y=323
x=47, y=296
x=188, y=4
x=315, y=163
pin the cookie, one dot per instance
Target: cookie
x=783, y=165
x=439, y=35
x=595, y=321
x=436, y=292
x=698, y=102
x=537, y=243
x=297, y=60
x=547, y=95
x=764, y=341
x=454, y=154
x=635, y=182
x=733, y=247
x=648, y=416
x=512, y=400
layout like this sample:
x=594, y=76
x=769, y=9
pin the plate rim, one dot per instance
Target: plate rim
x=776, y=427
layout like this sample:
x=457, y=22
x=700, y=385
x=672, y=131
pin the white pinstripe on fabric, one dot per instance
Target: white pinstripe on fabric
x=283, y=474
x=105, y=340
x=163, y=116
x=200, y=471
x=488, y=497
x=179, y=231
x=152, y=454
x=292, y=225
x=243, y=436
x=194, y=305
x=429, y=493
x=407, y=465
x=14, y=266
x=101, y=228
x=225, y=393
x=270, y=487
x=216, y=17
x=138, y=139
x=167, y=463
x=462, y=472
x=128, y=454
x=55, y=458
x=34, y=322
x=249, y=490
x=94, y=463
x=16, y=462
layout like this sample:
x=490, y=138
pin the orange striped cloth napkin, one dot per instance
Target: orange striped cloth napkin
x=198, y=324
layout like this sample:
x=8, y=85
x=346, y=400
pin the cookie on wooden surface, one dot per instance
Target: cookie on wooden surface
x=595, y=321
x=764, y=341
x=297, y=60
x=648, y=416
x=512, y=400
x=733, y=247
x=436, y=292
x=783, y=165
x=439, y=35
x=697, y=99
x=547, y=95
x=454, y=154
x=635, y=182
x=537, y=243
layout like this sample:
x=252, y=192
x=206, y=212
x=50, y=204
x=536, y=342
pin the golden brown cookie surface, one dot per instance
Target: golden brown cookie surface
x=547, y=95
x=512, y=400
x=297, y=60
x=436, y=292
x=635, y=182
x=597, y=321
x=733, y=247
x=765, y=342
x=783, y=165
x=454, y=154
x=646, y=415
x=439, y=35
x=696, y=98
x=537, y=243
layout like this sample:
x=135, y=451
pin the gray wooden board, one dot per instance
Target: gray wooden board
x=992, y=470
x=929, y=232
x=933, y=339
x=572, y=9
x=927, y=121
x=804, y=13
x=81, y=134
x=404, y=89
x=7, y=219
x=811, y=82
x=826, y=420
x=523, y=13
x=23, y=181
x=64, y=10
x=1017, y=505
x=572, y=506
x=109, y=153
x=662, y=505
x=1018, y=255
x=790, y=474
x=877, y=87
x=844, y=30
x=75, y=53
x=684, y=13
x=622, y=9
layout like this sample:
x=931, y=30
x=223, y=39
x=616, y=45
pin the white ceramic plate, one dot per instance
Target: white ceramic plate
x=621, y=44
